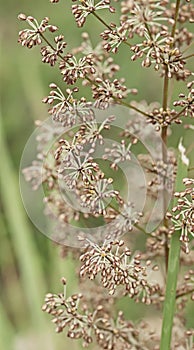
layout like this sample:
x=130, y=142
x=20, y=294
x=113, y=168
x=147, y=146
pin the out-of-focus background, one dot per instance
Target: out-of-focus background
x=30, y=264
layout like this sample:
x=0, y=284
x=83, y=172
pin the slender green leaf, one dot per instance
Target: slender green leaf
x=173, y=261
x=24, y=245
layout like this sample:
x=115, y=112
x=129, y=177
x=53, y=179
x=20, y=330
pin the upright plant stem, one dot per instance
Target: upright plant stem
x=164, y=128
x=175, y=18
x=173, y=256
x=164, y=156
x=170, y=297
x=172, y=274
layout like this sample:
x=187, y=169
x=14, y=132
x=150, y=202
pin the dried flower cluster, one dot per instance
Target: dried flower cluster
x=109, y=333
x=118, y=268
x=96, y=324
x=33, y=36
x=84, y=189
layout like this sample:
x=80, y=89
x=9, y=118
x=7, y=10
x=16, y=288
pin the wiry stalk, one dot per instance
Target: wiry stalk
x=172, y=275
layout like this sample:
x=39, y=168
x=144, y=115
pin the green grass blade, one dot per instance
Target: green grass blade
x=27, y=255
x=6, y=331
x=173, y=267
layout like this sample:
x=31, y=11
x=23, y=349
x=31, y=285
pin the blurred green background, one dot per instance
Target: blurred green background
x=30, y=264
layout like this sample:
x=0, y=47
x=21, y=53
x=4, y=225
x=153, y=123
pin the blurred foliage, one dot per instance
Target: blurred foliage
x=30, y=264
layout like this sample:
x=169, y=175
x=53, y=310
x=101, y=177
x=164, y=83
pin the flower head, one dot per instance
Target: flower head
x=66, y=109
x=187, y=102
x=119, y=152
x=51, y=54
x=72, y=68
x=85, y=7
x=97, y=195
x=33, y=36
x=117, y=266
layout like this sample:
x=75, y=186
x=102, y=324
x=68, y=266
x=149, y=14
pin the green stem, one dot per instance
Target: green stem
x=164, y=157
x=165, y=90
x=184, y=57
x=149, y=32
x=172, y=273
x=170, y=297
x=126, y=104
x=102, y=21
x=175, y=18
x=6, y=330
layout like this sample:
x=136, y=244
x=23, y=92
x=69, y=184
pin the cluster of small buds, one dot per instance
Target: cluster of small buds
x=120, y=334
x=72, y=68
x=75, y=167
x=114, y=37
x=83, y=8
x=57, y=208
x=36, y=174
x=106, y=92
x=79, y=172
x=183, y=213
x=47, y=132
x=72, y=313
x=182, y=338
x=140, y=15
x=33, y=36
x=122, y=221
x=65, y=313
x=119, y=153
x=182, y=37
x=156, y=242
x=163, y=174
x=51, y=54
x=92, y=131
x=174, y=62
x=98, y=194
x=97, y=325
x=43, y=170
x=104, y=65
x=186, y=12
x=152, y=47
x=187, y=287
x=129, y=5
x=163, y=117
x=66, y=109
x=166, y=175
x=159, y=51
x=65, y=148
x=117, y=267
x=187, y=102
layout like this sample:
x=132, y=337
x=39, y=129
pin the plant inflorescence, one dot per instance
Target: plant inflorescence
x=158, y=35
